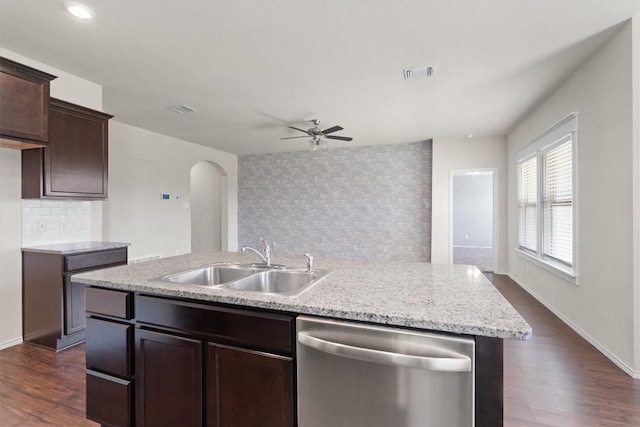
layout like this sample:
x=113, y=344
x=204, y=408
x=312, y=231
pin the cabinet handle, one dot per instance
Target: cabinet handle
x=457, y=363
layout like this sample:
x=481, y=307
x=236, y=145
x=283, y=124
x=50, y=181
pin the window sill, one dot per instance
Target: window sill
x=569, y=276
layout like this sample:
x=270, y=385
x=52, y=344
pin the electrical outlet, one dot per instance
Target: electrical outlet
x=42, y=226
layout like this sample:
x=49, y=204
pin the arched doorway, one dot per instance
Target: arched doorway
x=208, y=207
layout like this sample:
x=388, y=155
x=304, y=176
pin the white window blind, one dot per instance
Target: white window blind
x=546, y=197
x=527, y=205
x=557, y=204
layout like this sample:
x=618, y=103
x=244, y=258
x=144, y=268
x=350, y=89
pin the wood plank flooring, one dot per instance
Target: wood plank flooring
x=557, y=378
x=554, y=379
x=41, y=387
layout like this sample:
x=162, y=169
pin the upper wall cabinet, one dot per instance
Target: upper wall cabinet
x=74, y=165
x=24, y=105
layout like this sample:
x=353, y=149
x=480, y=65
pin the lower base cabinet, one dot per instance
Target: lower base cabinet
x=156, y=362
x=248, y=388
x=169, y=374
x=111, y=399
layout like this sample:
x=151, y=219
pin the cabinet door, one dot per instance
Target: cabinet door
x=74, y=306
x=24, y=105
x=75, y=162
x=248, y=388
x=169, y=380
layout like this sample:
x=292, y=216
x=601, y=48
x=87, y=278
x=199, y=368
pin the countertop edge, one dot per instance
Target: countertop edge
x=75, y=247
x=240, y=299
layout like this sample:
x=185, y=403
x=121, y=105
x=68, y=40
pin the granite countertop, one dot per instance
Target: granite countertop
x=451, y=298
x=75, y=248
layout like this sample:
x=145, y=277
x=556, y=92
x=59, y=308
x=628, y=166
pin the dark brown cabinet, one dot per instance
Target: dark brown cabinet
x=196, y=363
x=169, y=380
x=24, y=105
x=110, y=357
x=53, y=307
x=75, y=162
x=248, y=388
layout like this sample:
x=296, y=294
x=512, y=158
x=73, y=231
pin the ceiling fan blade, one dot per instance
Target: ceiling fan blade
x=293, y=137
x=341, y=138
x=333, y=129
x=301, y=130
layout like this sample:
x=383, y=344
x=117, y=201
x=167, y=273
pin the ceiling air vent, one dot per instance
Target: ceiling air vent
x=418, y=73
x=181, y=109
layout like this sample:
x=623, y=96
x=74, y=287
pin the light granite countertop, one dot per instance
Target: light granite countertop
x=75, y=247
x=440, y=297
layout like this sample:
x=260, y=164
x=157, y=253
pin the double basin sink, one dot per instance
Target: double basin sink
x=251, y=278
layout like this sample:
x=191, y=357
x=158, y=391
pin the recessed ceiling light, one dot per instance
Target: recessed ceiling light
x=79, y=10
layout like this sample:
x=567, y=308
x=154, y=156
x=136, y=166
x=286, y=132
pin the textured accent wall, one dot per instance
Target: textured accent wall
x=369, y=202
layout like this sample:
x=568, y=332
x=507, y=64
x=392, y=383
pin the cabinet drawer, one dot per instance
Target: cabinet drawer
x=109, y=399
x=110, y=347
x=109, y=302
x=95, y=259
x=255, y=329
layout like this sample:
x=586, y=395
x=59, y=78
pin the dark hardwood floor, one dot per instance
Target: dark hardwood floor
x=41, y=387
x=554, y=379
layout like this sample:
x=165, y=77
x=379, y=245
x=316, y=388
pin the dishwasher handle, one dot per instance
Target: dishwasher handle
x=457, y=363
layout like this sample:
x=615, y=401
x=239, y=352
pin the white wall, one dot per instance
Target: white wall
x=10, y=257
x=636, y=183
x=601, y=306
x=142, y=166
x=69, y=88
x=205, y=207
x=461, y=153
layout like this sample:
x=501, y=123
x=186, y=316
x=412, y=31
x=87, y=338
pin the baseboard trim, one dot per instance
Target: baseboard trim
x=10, y=343
x=619, y=363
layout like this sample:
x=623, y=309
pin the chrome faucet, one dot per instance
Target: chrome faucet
x=265, y=256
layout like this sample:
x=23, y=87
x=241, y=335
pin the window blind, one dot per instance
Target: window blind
x=547, y=202
x=557, y=203
x=527, y=205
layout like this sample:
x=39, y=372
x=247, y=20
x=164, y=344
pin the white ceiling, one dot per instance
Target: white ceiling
x=252, y=67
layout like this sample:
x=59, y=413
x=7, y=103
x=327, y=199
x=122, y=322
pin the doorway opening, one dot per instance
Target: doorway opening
x=473, y=218
x=208, y=207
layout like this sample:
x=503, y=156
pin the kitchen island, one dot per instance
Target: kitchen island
x=134, y=320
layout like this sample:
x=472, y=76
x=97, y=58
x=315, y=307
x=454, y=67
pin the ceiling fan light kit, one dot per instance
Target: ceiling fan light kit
x=318, y=135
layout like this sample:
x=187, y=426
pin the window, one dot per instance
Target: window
x=546, y=197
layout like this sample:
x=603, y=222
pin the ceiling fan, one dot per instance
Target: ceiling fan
x=318, y=134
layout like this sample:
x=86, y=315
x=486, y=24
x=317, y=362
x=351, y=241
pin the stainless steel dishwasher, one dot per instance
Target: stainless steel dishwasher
x=358, y=375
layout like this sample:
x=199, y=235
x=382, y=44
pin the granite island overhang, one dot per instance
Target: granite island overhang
x=436, y=298
x=439, y=297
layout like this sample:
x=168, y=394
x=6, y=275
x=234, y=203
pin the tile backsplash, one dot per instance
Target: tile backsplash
x=46, y=222
x=370, y=202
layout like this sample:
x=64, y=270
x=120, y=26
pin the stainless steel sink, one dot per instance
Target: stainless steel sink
x=247, y=278
x=213, y=275
x=288, y=282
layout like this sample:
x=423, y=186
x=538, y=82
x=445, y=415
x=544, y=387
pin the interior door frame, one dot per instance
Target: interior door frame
x=495, y=237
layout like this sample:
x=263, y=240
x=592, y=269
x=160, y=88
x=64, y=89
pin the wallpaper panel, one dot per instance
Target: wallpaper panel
x=363, y=202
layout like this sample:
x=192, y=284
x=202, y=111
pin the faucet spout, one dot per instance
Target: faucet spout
x=264, y=259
